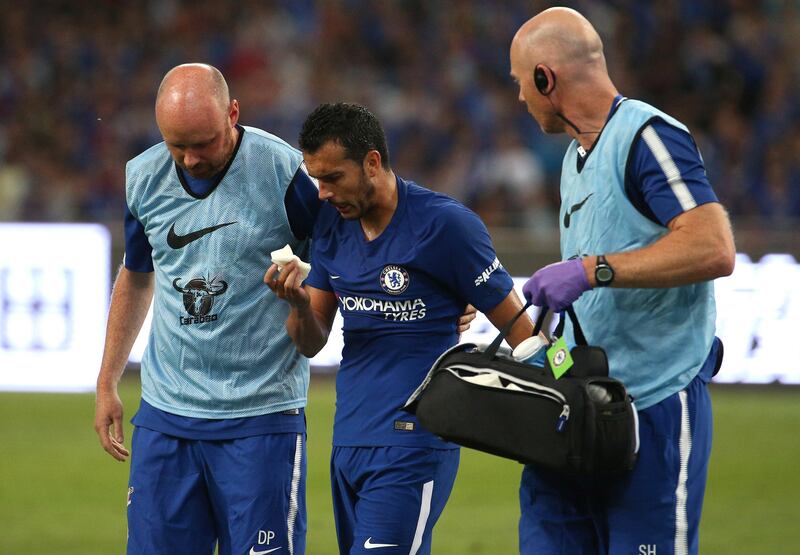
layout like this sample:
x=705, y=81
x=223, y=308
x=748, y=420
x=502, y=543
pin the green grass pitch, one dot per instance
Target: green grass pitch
x=60, y=493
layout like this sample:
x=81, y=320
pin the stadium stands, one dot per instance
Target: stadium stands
x=77, y=84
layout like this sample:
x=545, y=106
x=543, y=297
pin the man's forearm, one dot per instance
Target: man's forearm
x=307, y=331
x=504, y=312
x=130, y=301
x=699, y=248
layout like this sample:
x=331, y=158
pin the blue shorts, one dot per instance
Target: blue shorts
x=389, y=498
x=653, y=510
x=247, y=495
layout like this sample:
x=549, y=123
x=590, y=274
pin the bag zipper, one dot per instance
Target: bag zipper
x=426, y=381
x=562, y=418
x=539, y=390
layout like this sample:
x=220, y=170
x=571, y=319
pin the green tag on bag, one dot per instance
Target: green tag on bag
x=559, y=357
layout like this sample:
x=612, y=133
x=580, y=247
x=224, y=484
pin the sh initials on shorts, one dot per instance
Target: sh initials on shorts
x=647, y=549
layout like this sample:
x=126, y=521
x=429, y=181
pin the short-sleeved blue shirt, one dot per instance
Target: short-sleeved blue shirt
x=400, y=296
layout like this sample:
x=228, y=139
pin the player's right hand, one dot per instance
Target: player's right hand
x=108, y=414
x=287, y=283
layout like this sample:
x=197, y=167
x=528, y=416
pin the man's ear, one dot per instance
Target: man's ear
x=233, y=112
x=372, y=163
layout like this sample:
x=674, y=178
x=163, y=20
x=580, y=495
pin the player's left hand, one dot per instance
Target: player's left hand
x=108, y=423
x=287, y=283
x=466, y=319
x=558, y=285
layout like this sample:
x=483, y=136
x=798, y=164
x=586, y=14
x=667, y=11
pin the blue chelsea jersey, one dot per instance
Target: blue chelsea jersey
x=400, y=296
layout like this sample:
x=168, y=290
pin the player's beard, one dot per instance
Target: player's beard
x=366, y=195
x=362, y=203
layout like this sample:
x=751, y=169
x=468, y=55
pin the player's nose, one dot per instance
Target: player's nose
x=190, y=160
x=324, y=192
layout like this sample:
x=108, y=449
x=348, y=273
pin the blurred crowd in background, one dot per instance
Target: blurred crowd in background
x=78, y=83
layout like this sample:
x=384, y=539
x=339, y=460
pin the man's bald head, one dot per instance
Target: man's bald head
x=558, y=37
x=191, y=87
x=197, y=118
x=557, y=61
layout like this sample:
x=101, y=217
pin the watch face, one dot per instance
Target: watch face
x=604, y=274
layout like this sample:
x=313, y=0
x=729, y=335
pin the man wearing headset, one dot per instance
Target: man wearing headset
x=642, y=236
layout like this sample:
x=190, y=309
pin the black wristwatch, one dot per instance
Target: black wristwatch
x=603, y=272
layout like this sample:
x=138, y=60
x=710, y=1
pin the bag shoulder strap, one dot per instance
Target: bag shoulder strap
x=491, y=351
x=580, y=339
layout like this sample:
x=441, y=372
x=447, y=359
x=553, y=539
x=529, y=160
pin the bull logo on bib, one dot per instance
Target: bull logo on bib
x=198, y=298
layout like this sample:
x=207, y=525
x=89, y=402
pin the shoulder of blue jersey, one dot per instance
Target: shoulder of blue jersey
x=436, y=214
x=437, y=208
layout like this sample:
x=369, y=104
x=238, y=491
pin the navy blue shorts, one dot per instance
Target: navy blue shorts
x=187, y=496
x=388, y=499
x=654, y=510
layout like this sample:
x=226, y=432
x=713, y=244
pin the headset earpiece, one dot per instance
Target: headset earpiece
x=545, y=84
x=541, y=81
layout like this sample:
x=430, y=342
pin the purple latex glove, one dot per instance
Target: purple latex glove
x=558, y=285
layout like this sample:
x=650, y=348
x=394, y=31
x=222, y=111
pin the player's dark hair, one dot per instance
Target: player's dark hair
x=351, y=125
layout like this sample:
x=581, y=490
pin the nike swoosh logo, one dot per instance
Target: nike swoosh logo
x=575, y=208
x=179, y=241
x=334, y=277
x=369, y=545
x=254, y=552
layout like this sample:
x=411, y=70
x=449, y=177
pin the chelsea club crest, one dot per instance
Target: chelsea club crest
x=394, y=279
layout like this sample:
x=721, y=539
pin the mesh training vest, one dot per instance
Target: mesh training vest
x=656, y=339
x=218, y=347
